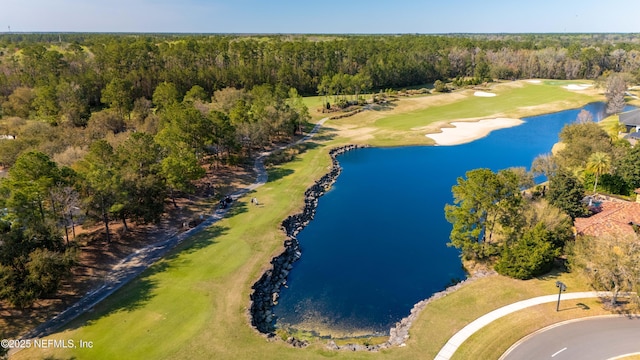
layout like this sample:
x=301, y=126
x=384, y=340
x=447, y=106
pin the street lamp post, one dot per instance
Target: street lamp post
x=562, y=287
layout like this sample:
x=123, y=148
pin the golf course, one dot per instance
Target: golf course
x=193, y=304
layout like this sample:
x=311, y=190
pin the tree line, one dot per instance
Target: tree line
x=78, y=68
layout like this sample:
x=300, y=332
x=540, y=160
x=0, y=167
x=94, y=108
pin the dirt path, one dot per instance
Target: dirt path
x=133, y=265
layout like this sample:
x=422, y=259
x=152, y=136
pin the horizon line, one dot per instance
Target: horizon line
x=311, y=33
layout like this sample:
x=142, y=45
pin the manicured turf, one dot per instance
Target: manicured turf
x=314, y=103
x=193, y=304
x=508, y=100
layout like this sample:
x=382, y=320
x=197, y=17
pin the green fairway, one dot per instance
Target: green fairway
x=509, y=100
x=194, y=303
x=313, y=103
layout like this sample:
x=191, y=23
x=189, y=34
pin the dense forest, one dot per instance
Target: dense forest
x=118, y=125
x=92, y=61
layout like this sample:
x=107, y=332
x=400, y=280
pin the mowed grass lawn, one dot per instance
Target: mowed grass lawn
x=193, y=304
x=313, y=103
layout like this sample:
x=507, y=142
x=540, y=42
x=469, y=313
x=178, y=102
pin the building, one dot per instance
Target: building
x=631, y=120
x=632, y=138
x=617, y=218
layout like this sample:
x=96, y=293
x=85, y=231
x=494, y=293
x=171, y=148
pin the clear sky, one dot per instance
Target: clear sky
x=326, y=16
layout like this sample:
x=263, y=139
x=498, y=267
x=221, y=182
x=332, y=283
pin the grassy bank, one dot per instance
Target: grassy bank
x=193, y=304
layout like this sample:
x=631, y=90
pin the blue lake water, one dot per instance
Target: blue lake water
x=378, y=243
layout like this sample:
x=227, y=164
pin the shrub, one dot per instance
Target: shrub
x=285, y=155
x=531, y=256
x=615, y=184
x=440, y=86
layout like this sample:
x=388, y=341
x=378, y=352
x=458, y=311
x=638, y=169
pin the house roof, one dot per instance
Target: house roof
x=633, y=135
x=630, y=118
x=615, y=219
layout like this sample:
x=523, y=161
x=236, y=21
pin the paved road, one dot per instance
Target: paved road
x=586, y=339
x=134, y=264
x=461, y=336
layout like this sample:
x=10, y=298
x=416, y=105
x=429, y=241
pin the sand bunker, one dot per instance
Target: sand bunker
x=578, y=86
x=465, y=132
x=534, y=81
x=483, y=94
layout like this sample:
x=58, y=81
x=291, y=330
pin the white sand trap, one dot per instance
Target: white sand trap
x=534, y=81
x=483, y=94
x=465, y=132
x=578, y=87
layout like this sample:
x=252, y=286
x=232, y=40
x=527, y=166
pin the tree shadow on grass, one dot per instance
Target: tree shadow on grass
x=137, y=293
x=307, y=145
x=308, y=126
x=276, y=174
x=289, y=154
x=237, y=207
x=199, y=241
x=624, y=307
x=325, y=134
x=130, y=297
x=554, y=274
x=388, y=106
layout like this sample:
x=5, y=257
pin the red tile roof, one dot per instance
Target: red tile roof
x=614, y=220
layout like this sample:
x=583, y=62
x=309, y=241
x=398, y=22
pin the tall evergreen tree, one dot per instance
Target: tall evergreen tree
x=566, y=192
x=101, y=183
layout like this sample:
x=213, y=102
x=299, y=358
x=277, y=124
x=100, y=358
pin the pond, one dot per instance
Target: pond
x=378, y=242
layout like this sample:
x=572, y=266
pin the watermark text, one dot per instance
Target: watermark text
x=45, y=344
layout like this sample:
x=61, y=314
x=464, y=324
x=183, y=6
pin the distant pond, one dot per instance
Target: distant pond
x=378, y=243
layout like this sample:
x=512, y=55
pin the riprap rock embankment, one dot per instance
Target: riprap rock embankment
x=267, y=289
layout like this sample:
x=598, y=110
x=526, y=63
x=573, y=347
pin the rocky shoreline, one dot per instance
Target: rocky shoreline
x=266, y=290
